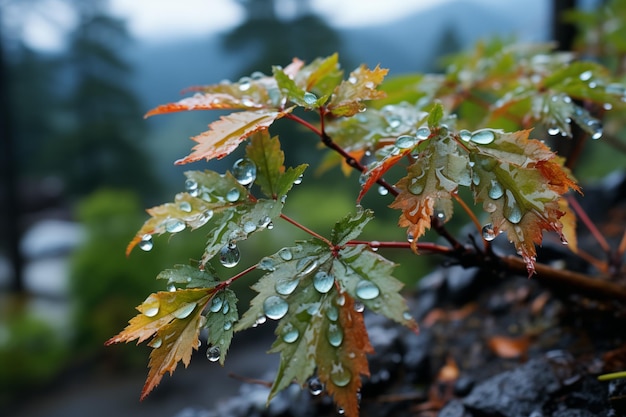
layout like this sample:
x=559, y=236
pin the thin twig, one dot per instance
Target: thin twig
x=426, y=246
x=234, y=278
x=588, y=223
x=306, y=229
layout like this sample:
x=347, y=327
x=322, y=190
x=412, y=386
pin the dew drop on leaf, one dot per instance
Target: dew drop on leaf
x=191, y=185
x=225, y=307
x=334, y=335
x=406, y=141
x=409, y=237
x=151, y=306
x=554, y=131
x=511, y=210
x=205, y=217
x=213, y=353
x=184, y=206
x=341, y=300
x=244, y=171
x=233, y=195
x=483, y=137
x=407, y=316
x=383, y=190
x=415, y=187
x=275, y=307
x=184, y=311
x=465, y=135
x=439, y=215
x=488, y=233
x=476, y=179
x=249, y=227
x=171, y=287
x=422, y=133
x=309, y=98
x=216, y=304
x=323, y=281
x=298, y=180
x=260, y=320
x=156, y=343
x=174, y=225
x=340, y=410
x=495, y=190
x=585, y=76
x=286, y=286
x=290, y=334
x=596, y=129
x=228, y=325
x=264, y=221
x=146, y=244
x=332, y=313
x=340, y=376
x=244, y=83
x=490, y=207
x=366, y=290
x=306, y=265
x=359, y=307
x=315, y=386
x=267, y=264
x=229, y=256
x=285, y=254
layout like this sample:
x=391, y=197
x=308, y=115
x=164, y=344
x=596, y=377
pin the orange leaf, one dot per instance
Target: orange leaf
x=174, y=318
x=348, y=97
x=342, y=378
x=508, y=347
x=226, y=134
x=208, y=101
x=375, y=174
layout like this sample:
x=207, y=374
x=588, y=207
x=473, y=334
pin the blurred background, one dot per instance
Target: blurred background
x=79, y=164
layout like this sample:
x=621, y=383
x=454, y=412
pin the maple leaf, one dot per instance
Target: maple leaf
x=311, y=289
x=174, y=319
x=347, y=100
x=520, y=183
x=437, y=172
x=272, y=177
x=220, y=319
x=226, y=134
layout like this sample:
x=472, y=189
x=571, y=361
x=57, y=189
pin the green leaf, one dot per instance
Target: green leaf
x=350, y=227
x=220, y=321
x=190, y=277
x=265, y=152
x=435, y=116
x=320, y=76
x=294, y=93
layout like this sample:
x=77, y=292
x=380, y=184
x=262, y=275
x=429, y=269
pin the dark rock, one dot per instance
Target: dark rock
x=454, y=409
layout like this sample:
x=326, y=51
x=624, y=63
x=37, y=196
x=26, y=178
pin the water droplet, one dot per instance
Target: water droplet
x=440, y=215
x=229, y=255
x=495, y=190
x=339, y=375
x=490, y=207
x=407, y=316
x=340, y=410
x=249, y=227
x=465, y=135
x=382, y=190
x=323, y=281
x=216, y=304
x=483, y=136
x=228, y=325
x=334, y=335
x=315, y=386
x=290, y=335
x=366, y=290
x=409, y=237
x=488, y=233
x=306, y=265
x=233, y=195
x=146, y=244
x=184, y=311
x=171, y=287
x=264, y=221
x=363, y=178
x=607, y=106
x=416, y=187
x=184, y=206
x=275, y=307
x=205, y=217
x=286, y=286
x=374, y=245
x=225, y=307
x=244, y=171
x=213, y=353
x=244, y=83
x=341, y=300
x=260, y=320
x=309, y=98
x=352, y=79
x=332, y=313
x=511, y=210
x=596, y=129
x=269, y=226
x=174, y=225
x=475, y=179
x=191, y=185
x=359, y=307
x=156, y=343
x=267, y=264
x=298, y=180
x=554, y=130
x=406, y=142
x=585, y=76
x=285, y=254
x=422, y=133
x=150, y=306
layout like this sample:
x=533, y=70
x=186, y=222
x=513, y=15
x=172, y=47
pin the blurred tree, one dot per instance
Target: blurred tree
x=100, y=146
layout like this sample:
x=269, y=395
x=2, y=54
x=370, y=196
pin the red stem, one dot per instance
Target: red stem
x=426, y=247
x=306, y=229
x=234, y=278
x=587, y=221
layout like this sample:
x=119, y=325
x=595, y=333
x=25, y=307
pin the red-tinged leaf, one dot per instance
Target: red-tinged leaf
x=174, y=318
x=342, y=374
x=437, y=173
x=348, y=97
x=207, y=101
x=226, y=134
x=375, y=174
